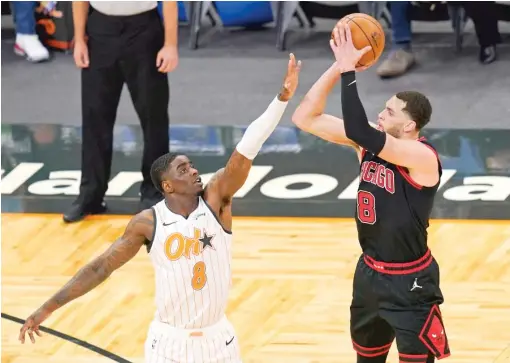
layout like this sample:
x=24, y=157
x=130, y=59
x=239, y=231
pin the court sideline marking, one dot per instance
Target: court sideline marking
x=71, y=339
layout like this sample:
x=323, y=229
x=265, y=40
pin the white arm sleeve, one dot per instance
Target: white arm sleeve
x=260, y=129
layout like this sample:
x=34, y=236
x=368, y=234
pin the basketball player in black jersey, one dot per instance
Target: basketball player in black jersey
x=396, y=294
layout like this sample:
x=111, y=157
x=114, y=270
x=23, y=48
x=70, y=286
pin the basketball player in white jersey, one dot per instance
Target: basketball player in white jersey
x=189, y=239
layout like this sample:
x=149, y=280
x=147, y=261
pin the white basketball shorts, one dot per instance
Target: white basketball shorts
x=217, y=343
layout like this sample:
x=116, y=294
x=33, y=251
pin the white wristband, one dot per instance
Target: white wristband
x=260, y=129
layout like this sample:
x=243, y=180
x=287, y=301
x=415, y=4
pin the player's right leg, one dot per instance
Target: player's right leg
x=371, y=335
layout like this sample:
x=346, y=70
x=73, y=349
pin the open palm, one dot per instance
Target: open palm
x=291, y=80
x=346, y=54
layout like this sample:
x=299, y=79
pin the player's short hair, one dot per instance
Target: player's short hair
x=418, y=107
x=160, y=166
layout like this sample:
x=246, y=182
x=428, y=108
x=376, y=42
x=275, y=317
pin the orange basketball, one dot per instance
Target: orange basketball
x=366, y=31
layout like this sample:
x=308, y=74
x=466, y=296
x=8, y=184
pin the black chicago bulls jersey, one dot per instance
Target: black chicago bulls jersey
x=392, y=212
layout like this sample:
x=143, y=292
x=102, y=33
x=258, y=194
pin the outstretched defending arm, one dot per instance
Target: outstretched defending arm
x=227, y=181
x=94, y=273
x=408, y=153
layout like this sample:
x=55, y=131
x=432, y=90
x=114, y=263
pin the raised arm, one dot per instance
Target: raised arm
x=310, y=117
x=137, y=232
x=227, y=181
x=411, y=154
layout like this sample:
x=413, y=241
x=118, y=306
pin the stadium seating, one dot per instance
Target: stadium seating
x=244, y=13
x=228, y=14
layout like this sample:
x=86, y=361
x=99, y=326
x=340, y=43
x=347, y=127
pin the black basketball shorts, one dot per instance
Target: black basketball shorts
x=398, y=301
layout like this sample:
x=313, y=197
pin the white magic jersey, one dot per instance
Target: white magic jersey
x=191, y=258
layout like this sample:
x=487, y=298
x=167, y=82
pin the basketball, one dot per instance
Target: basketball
x=366, y=31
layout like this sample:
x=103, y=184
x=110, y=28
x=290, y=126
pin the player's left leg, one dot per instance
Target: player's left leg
x=220, y=345
x=420, y=334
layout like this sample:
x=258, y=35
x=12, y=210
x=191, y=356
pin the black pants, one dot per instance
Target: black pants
x=398, y=301
x=485, y=18
x=122, y=49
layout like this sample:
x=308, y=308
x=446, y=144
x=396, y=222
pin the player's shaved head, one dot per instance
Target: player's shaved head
x=159, y=167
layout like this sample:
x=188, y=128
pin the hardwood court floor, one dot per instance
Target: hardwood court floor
x=290, y=296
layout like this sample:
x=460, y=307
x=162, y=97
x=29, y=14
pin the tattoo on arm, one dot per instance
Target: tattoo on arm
x=97, y=271
x=230, y=179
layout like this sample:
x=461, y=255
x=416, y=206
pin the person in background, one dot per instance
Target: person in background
x=117, y=43
x=27, y=42
x=401, y=58
x=485, y=18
